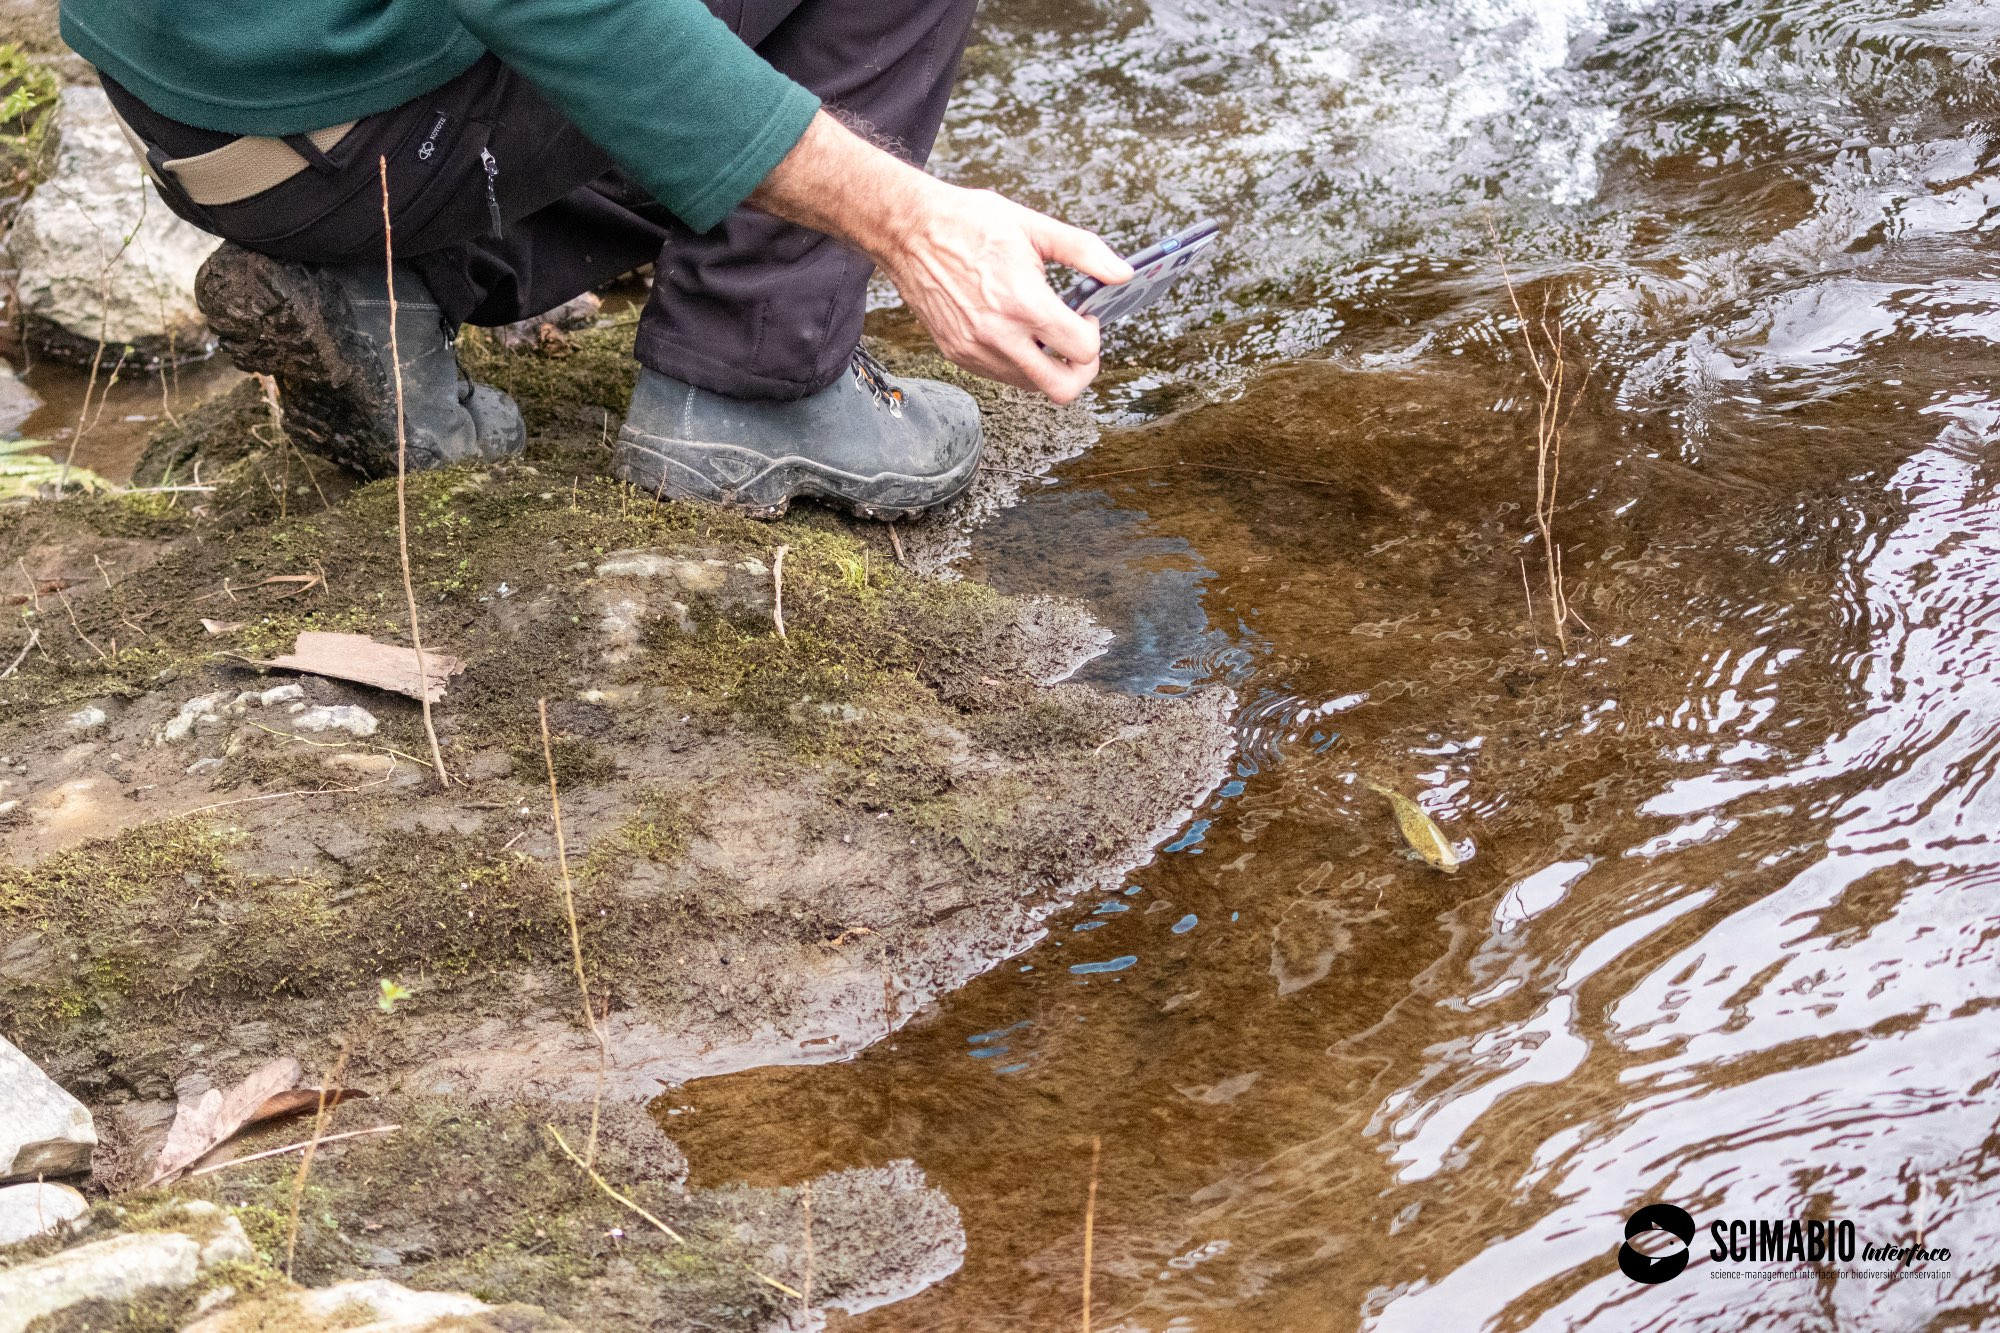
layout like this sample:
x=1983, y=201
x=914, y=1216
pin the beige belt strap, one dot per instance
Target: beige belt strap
x=237, y=170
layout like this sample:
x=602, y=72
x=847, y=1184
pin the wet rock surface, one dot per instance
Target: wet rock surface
x=17, y=402
x=43, y=1130
x=101, y=259
x=778, y=849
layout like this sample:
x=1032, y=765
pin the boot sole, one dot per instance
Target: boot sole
x=759, y=486
x=286, y=321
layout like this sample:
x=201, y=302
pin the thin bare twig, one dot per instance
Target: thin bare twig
x=402, y=472
x=575, y=937
x=34, y=637
x=103, y=331
x=896, y=544
x=806, y=1283
x=778, y=590
x=1090, y=1223
x=292, y=1147
x=329, y=1084
x=304, y=791
x=1549, y=361
x=605, y=1185
x=79, y=628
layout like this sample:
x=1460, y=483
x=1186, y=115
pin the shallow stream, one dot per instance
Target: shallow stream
x=1725, y=935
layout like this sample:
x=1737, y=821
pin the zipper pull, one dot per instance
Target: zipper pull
x=492, y=166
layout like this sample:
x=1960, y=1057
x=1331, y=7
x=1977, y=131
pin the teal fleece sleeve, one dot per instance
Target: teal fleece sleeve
x=663, y=86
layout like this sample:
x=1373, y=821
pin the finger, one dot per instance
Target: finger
x=1057, y=380
x=1077, y=248
x=1071, y=336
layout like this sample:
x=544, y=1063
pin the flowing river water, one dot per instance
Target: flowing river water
x=1725, y=932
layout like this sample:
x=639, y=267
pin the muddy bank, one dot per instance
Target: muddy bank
x=781, y=849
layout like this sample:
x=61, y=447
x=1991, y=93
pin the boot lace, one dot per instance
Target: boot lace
x=871, y=375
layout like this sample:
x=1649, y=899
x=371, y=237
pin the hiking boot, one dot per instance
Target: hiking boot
x=322, y=332
x=882, y=448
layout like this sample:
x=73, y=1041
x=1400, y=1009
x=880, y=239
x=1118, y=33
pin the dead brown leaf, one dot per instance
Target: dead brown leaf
x=297, y=1101
x=201, y=1123
x=359, y=658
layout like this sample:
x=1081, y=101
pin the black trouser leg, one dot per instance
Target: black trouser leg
x=758, y=308
x=568, y=219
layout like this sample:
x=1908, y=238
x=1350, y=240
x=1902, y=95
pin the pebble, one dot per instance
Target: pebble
x=88, y=718
x=337, y=717
x=29, y=1210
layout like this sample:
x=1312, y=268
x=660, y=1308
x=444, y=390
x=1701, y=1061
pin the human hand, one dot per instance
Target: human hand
x=970, y=265
x=968, y=262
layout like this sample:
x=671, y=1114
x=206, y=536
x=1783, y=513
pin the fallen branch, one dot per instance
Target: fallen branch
x=291, y=1147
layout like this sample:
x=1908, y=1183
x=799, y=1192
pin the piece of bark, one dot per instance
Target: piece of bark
x=201, y=1123
x=359, y=658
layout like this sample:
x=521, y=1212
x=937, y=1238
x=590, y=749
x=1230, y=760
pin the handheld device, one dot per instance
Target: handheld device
x=1154, y=269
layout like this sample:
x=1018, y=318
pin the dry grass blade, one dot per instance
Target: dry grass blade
x=292, y=1147
x=628, y=1202
x=778, y=590
x=34, y=637
x=329, y=1084
x=1543, y=339
x=606, y=1186
x=402, y=473
x=1090, y=1223
x=575, y=938
x=806, y=1283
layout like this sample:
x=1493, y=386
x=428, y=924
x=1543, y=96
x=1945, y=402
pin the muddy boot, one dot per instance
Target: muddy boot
x=322, y=331
x=881, y=448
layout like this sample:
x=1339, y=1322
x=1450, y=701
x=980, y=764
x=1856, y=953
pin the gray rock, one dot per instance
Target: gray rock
x=123, y=1268
x=337, y=717
x=43, y=1130
x=75, y=284
x=27, y=1211
x=373, y=1305
x=17, y=401
x=200, y=709
x=88, y=718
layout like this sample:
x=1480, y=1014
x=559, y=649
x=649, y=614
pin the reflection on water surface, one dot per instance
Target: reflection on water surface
x=1725, y=935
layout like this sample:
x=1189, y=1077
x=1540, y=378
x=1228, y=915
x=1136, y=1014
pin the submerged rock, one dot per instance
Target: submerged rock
x=33, y=1209
x=80, y=281
x=43, y=1130
x=17, y=402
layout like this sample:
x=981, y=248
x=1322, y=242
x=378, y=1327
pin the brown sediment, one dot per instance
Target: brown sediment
x=766, y=836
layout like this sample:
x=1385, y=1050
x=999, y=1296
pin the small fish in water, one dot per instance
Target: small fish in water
x=1419, y=830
